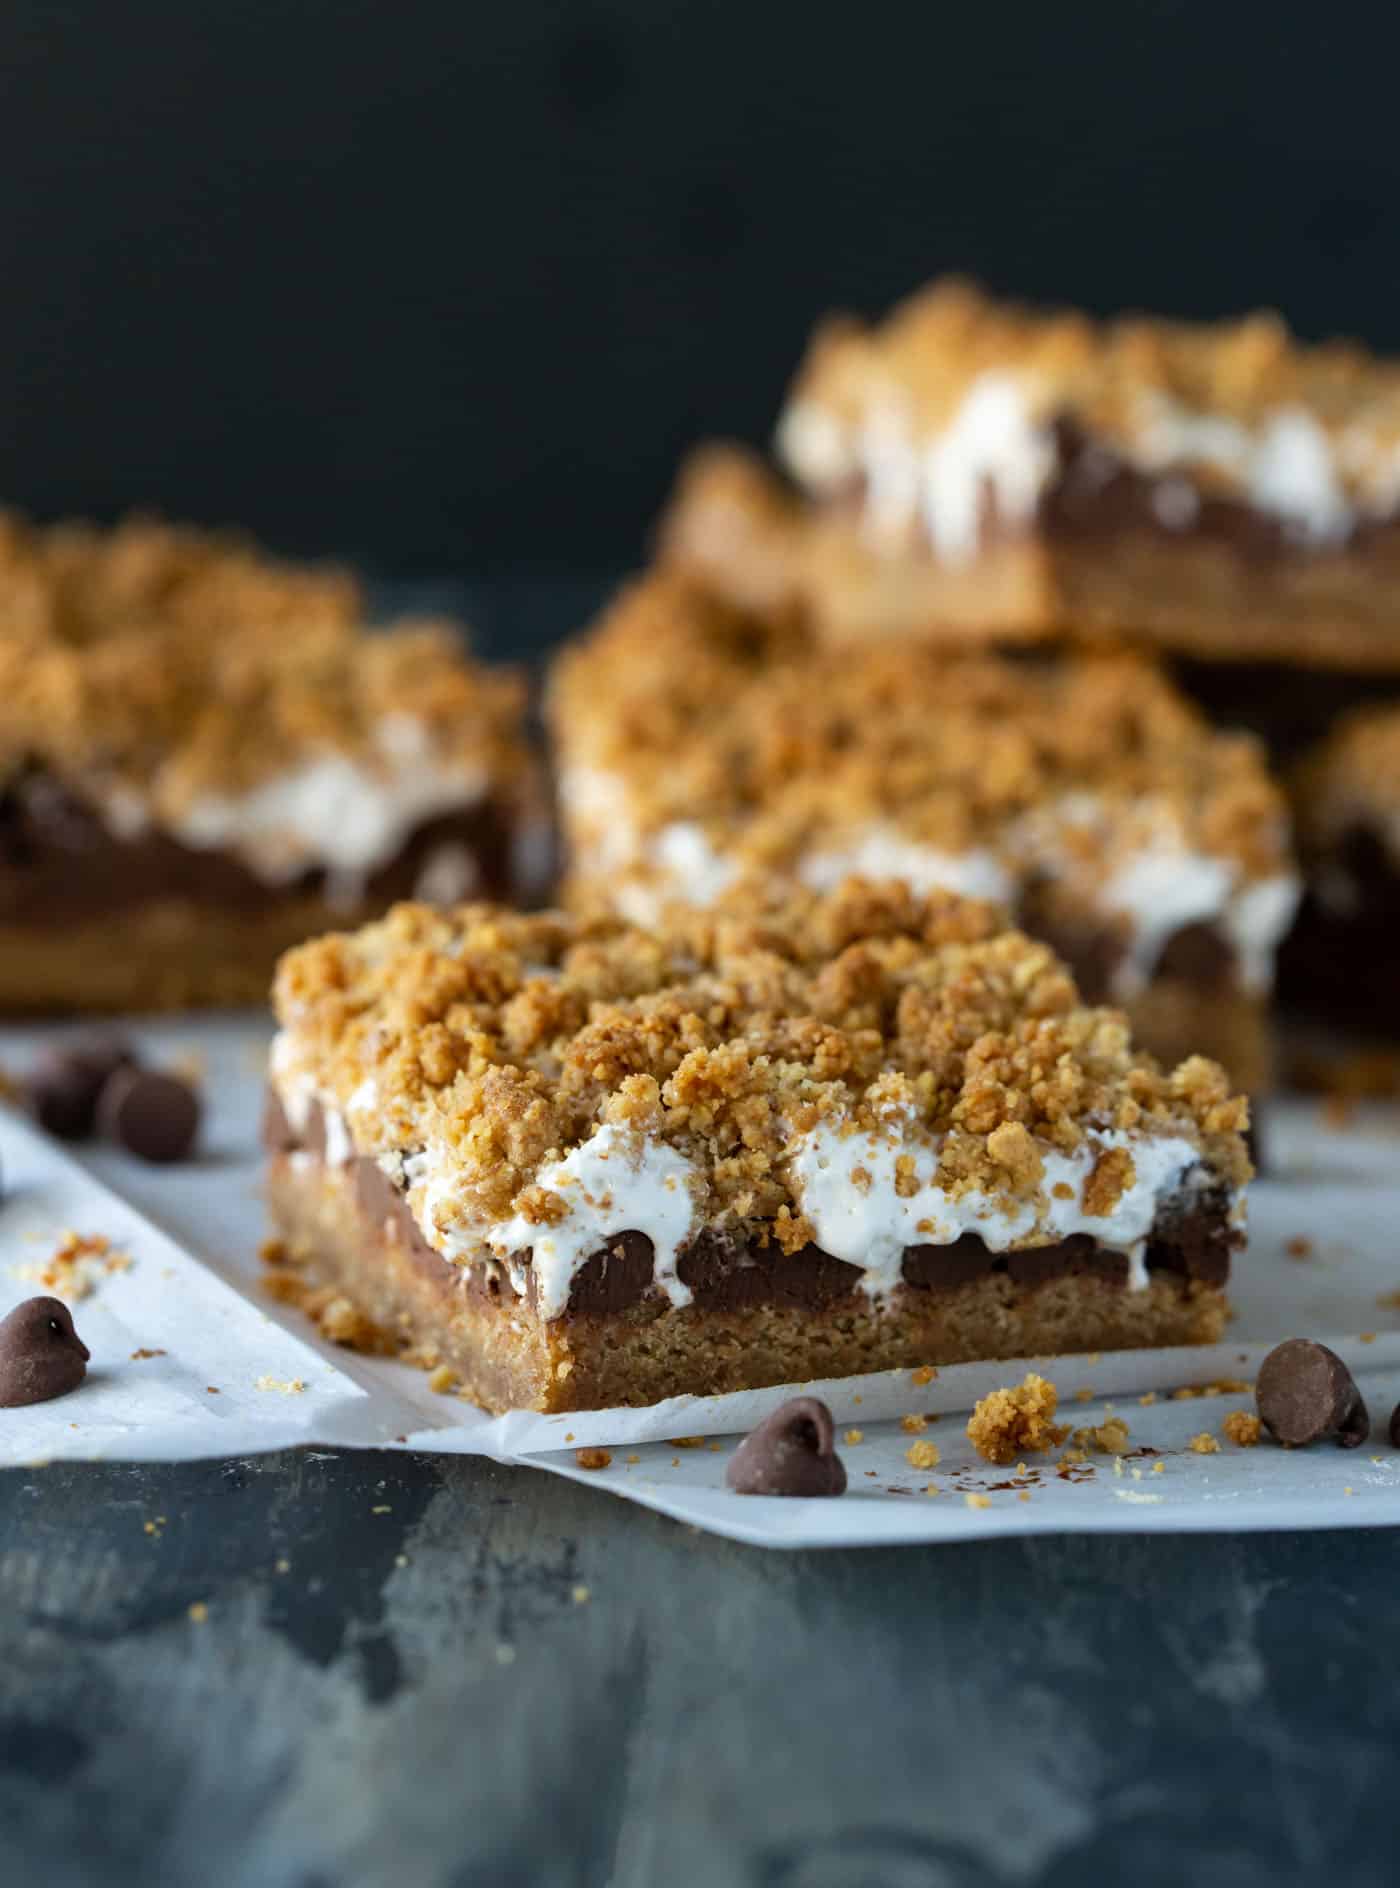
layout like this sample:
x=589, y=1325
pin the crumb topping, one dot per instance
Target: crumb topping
x=173, y=663
x=503, y=1042
x=682, y=709
x=1007, y=1424
x=1111, y=377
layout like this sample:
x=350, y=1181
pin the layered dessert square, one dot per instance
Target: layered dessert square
x=579, y=1164
x=1339, y=962
x=704, y=750
x=204, y=757
x=974, y=468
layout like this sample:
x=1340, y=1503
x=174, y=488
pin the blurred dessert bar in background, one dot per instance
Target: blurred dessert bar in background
x=571, y=1164
x=972, y=468
x=704, y=750
x=1340, y=961
x=204, y=758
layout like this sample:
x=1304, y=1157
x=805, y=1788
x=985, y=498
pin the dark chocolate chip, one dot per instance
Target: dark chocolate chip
x=791, y=1453
x=1305, y=1392
x=67, y=1079
x=151, y=1115
x=41, y=1355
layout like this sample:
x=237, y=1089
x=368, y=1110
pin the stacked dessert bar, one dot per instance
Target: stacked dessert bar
x=1221, y=497
x=204, y=757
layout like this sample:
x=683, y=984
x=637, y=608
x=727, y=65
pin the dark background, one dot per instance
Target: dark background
x=449, y=287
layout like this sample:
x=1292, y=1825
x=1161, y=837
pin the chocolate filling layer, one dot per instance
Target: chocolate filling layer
x=726, y=1274
x=59, y=862
x=1097, y=495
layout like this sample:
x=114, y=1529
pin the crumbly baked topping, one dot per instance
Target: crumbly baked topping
x=503, y=1041
x=698, y=711
x=175, y=663
x=1015, y=1422
x=1352, y=778
x=1109, y=376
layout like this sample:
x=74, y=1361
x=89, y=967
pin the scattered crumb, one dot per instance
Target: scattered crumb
x=1094, y=1357
x=1348, y=1491
x=593, y=1458
x=913, y=1425
x=137, y=1356
x=632, y=1460
x=714, y=1448
x=77, y=1265
x=198, y=1612
x=285, y=1386
x=675, y=1461
x=1226, y=1386
x=569, y=1436
x=383, y=1508
x=924, y=1374
x=1084, y=1396
x=1299, y=1248
x=273, y=1252
x=853, y=1436
x=211, y=1389
x=443, y=1380
x=400, y=1560
x=978, y=1501
x=1389, y=1301
x=922, y=1455
x=1159, y=1468
x=283, y=1566
x=931, y=1488
x=581, y=1596
x=687, y=1442
x=1008, y=1423
x=1105, y=1438
x=1204, y=1444
x=1366, y=1337
x=1075, y=1456
x=1242, y=1428
x=1023, y=1494
x=1151, y=1397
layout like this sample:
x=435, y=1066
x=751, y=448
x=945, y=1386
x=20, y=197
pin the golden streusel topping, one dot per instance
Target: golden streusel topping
x=175, y=662
x=501, y=1042
x=694, y=711
x=1106, y=375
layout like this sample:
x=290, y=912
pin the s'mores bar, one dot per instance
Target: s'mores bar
x=1340, y=961
x=703, y=750
x=576, y=1164
x=978, y=469
x=204, y=759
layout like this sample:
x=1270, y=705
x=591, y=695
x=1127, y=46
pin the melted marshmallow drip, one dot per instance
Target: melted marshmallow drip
x=881, y=853
x=615, y=1182
x=1287, y=467
x=333, y=812
x=846, y=1188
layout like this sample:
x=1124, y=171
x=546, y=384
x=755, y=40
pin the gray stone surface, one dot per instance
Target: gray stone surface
x=396, y=1682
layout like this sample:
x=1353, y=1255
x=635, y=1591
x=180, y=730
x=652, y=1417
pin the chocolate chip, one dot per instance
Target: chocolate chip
x=67, y=1079
x=41, y=1355
x=1305, y=1392
x=153, y=1116
x=791, y=1453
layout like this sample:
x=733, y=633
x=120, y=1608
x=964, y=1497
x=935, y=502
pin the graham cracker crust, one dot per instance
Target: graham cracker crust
x=505, y=1357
